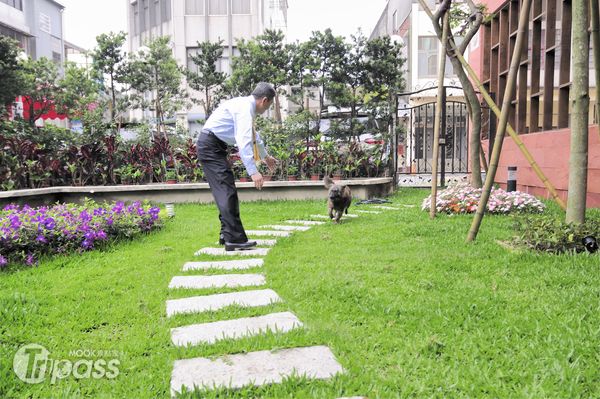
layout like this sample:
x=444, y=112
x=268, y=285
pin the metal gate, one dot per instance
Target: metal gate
x=453, y=138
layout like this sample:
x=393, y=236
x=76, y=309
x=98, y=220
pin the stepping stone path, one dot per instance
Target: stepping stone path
x=305, y=222
x=286, y=228
x=206, y=303
x=217, y=281
x=373, y=212
x=273, y=233
x=224, y=265
x=209, y=333
x=221, y=251
x=252, y=368
x=256, y=368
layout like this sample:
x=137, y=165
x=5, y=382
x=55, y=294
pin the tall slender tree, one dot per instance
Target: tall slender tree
x=10, y=79
x=328, y=52
x=471, y=21
x=207, y=80
x=107, y=61
x=580, y=103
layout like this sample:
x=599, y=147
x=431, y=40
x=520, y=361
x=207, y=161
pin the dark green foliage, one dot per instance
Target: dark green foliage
x=10, y=78
x=549, y=233
x=207, y=80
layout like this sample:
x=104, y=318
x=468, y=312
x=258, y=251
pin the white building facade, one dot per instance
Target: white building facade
x=188, y=22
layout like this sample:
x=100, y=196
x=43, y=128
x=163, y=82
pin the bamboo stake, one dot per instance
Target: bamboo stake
x=503, y=122
x=438, y=116
x=482, y=158
x=488, y=99
x=595, y=16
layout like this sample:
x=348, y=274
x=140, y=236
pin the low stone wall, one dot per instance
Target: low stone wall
x=193, y=192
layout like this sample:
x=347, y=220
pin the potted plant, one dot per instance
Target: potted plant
x=292, y=172
x=171, y=176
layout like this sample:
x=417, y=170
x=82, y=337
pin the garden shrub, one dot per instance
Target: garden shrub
x=26, y=233
x=550, y=234
x=462, y=198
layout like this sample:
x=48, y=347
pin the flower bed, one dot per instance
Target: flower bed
x=463, y=198
x=26, y=232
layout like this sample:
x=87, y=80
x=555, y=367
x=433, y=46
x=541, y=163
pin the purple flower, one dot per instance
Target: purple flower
x=49, y=223
x=3, y=262
x=30, y=260
x=101, y=235
x=41, y=238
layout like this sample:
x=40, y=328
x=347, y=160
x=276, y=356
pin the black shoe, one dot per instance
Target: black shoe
x=221, y=241
x=239, y=246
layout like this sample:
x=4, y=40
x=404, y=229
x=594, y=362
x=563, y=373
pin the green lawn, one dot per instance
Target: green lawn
x=406, y=306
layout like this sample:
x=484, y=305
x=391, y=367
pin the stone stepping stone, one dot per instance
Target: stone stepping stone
x=388, y=208
x=327, y=216
x=208, y=333
x=373, y=212
x=205, y=303
x=254, y=368
x=217, y=281
x=305, y=222
x=264, y=243
x=286, y=228
x=274, y=233
x=221, y=251
x=224, y=264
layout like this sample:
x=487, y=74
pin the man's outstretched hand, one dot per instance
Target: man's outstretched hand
x=258, y=180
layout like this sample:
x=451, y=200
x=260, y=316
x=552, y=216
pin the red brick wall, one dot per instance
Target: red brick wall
x=551, y=152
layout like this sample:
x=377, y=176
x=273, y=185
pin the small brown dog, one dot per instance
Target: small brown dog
x=339, y=199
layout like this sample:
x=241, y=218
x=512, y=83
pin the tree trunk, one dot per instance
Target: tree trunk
x=277, y=108
x=503, y=122
x=438, y=115
x=595, y=16
x=580, y=103
x=490, y=102
x=467, y=85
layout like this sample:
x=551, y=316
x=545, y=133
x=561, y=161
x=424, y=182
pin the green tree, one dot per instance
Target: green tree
x=349, y=77
x=385, y=78
x=11, y=80
x=300, y=63
x=109, y=61
x=40, y=85
x=207, y=80
x=328, y=53
x=262, y=59
x=155, y=70
x=78, y=97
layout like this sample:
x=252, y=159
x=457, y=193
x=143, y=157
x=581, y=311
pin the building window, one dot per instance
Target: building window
x=240, y=7
x=222, y=64
x=165, y=11
x=217, y=7
x=428, y=54
x=45, y=25
x=194, y=7
x=18, y=4
x=56, y=58
x=143, y=20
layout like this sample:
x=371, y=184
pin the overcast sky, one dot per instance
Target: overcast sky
x=85, y=19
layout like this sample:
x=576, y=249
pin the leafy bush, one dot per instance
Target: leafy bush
x=26, y=232
x=462, y=198
x=550, y=234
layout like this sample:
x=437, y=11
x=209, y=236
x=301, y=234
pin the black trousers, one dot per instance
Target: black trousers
x=212, y=154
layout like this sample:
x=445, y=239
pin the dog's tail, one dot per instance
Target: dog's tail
x=328, y=182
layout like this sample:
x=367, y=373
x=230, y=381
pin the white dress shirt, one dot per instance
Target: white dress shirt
x=232, y=122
